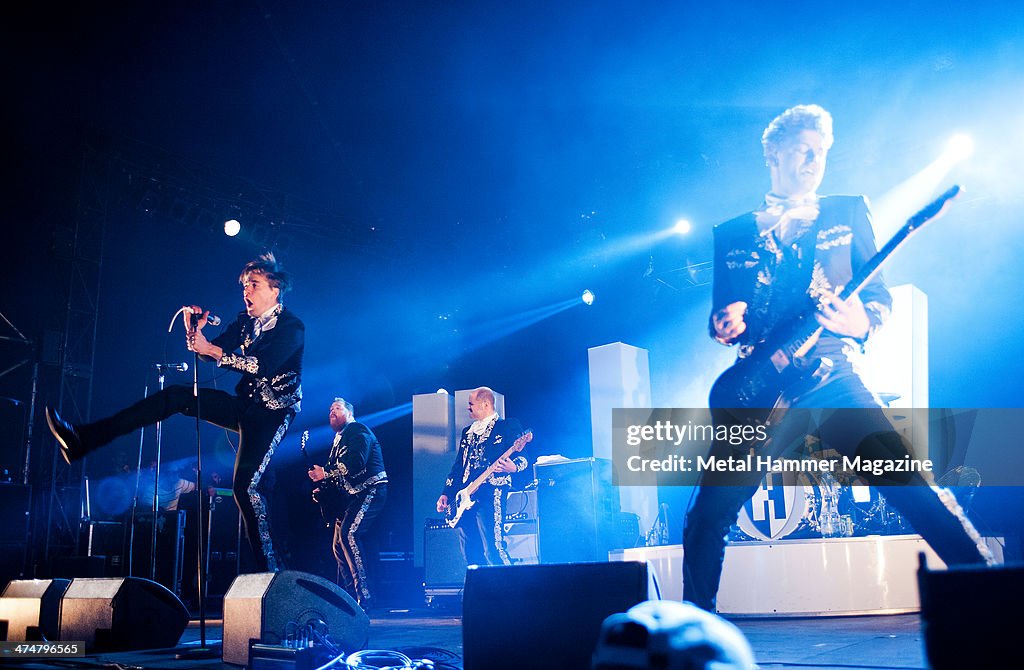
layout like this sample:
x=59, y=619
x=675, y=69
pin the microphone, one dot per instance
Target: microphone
x=211, y=320
x=178, y=367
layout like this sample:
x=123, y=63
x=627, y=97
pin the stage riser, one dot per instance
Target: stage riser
x=847, y=576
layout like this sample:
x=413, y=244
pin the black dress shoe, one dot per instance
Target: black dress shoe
x=67, y=437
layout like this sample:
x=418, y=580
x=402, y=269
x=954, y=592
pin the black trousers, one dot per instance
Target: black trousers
x=260, y=431
x=481, y=528
x=350, y=529
x=865, y=430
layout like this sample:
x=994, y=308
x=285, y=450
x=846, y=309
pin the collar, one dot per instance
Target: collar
x=777, y=204
x=769, y=217
x=267, y=320
x=481, y=426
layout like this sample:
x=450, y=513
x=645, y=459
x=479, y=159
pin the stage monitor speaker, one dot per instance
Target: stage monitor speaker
x=121, y=614
x=31, y=609
x=970, y=615
x=557, y=609
x=265, y=607
x=577, y=508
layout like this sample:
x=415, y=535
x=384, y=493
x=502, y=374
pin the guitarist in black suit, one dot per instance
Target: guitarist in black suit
x=353, y=488
x=481, y=531
x=794, y=252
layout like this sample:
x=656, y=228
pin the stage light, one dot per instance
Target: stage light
x=682, y=227
x=443, y=391
x=587, y=297
x=960, y=147
x=232, y=227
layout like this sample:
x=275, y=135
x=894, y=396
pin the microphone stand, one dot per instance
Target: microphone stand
x=202, y=651
x=156, y=482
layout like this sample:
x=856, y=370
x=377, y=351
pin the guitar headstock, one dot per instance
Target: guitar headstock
x=305, y=438
x=522, y=440
x=934, y=209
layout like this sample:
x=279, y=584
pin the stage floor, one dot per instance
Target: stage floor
x=892, y=642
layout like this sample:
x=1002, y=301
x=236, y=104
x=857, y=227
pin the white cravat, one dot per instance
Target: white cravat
x=481, y=426
x=266, y=321
x=769, y=218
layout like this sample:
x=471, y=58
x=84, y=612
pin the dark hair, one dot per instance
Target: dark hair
x=266, y=264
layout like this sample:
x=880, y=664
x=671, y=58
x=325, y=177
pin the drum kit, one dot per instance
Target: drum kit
x=791, y=505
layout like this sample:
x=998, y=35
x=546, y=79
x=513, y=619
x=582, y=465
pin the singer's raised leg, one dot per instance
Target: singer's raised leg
x=216, y=407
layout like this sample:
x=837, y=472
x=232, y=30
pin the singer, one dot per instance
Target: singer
x=265, y=345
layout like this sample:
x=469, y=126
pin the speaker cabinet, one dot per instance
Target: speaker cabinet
x=31, y=609
x=557, y=609
x=224, y=534
x=970, y=615
x=265, y=607
x=121, y=614
x=170, y=547
x=577, y=507
x=14, y=510
x=521, y=539
x=443, y=564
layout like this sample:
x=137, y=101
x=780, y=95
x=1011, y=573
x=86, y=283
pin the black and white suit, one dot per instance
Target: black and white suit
x=356, y=484
x=781, y=274
x=267, y=352
x=481, y=528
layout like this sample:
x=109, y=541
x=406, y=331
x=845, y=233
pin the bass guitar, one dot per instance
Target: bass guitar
x=777, y=369
x=464, y=498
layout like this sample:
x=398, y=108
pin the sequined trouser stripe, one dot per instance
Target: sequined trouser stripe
x=350, y=529
x=259, y=504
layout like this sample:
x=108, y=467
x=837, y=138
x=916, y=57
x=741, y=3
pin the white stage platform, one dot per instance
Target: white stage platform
x=816, y=577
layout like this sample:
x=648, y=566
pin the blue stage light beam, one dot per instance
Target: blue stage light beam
x=383, y=416
x=484, y=333
x=900, y=202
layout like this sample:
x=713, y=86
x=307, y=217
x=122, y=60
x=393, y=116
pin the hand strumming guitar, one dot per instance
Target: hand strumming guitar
x=729, y=323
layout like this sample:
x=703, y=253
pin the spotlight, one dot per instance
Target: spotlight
x=232, y=227
x=442, y=391
x=960, y=147
x=587, y=297
x=682, y=227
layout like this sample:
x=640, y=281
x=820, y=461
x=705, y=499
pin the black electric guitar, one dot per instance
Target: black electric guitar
x=318, y=494
x=777, y=369
x=464, y=498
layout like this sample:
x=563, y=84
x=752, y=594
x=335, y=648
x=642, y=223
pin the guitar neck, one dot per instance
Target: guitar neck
x=808, y=326
x=478, y=482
